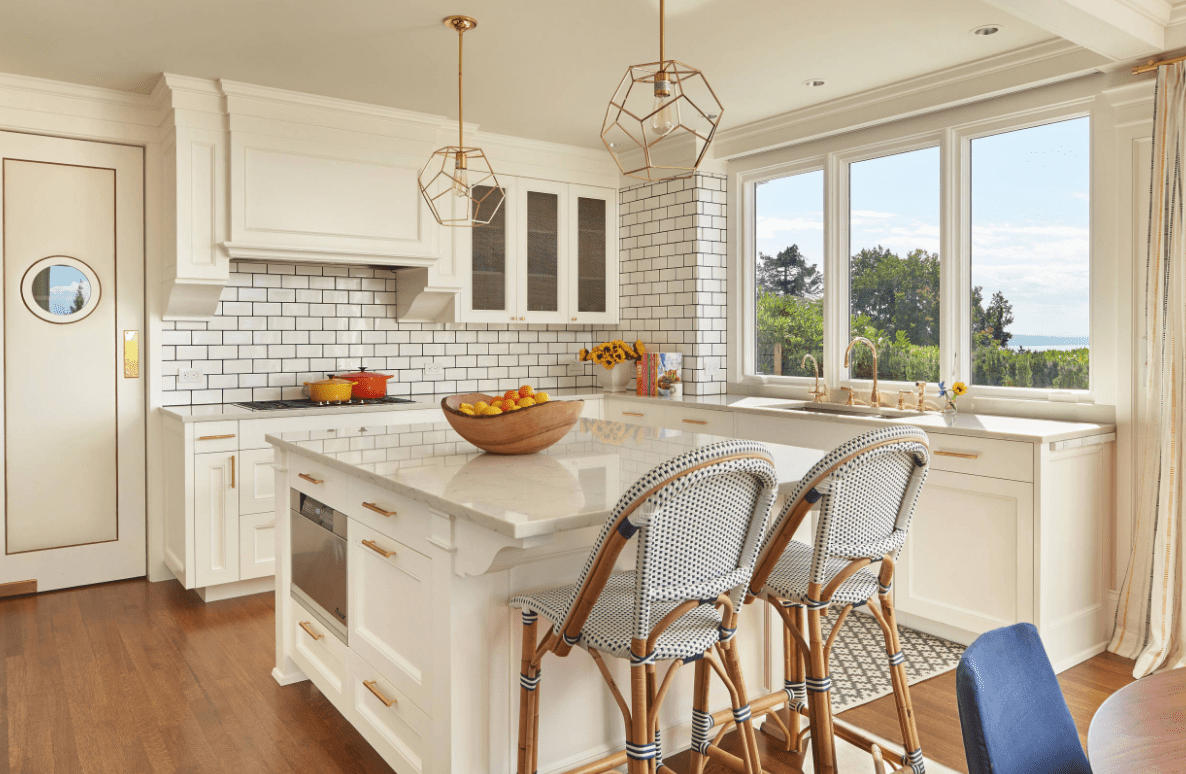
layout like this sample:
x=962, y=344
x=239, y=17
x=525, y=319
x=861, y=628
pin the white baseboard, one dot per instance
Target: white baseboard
x=236, y=589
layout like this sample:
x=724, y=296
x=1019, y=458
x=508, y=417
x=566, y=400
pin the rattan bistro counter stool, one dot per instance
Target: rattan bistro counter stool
x=866, y=490
x=698, y=520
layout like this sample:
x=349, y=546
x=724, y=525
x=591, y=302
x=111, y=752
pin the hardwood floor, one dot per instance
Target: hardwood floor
x=145, y=677
x=135, y=677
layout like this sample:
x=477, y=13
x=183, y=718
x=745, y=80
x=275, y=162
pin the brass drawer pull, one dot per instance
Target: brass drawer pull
x=232, y=471
x=630, y=414
x=370, y=684
x=215, y=437
x=696, y=421
x=378, y=510
x=961, y=455
x=309, y=478
x=309, y=630
x=371, y=545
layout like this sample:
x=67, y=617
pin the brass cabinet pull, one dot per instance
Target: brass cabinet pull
x=574, y=319
x=696, y=421
x=309, y=630
x=215, y=437
x=370, y=684
x=630, y=414
x=371, y=545
x=378, y=510
x=961, y=455
x=309, y=478
x=232, y=471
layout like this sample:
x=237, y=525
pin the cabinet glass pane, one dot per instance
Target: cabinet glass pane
x=590, y=255
x=543, y=245
x=489, y=259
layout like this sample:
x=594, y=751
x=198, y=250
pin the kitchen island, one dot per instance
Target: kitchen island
x=438, y=536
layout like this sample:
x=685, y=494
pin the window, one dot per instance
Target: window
x=894, y=265
x=1030, y=295
x=788, y=273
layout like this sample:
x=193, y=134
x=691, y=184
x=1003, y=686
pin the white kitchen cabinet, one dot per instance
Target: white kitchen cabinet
x=257, y=545
x=256, y=481
x=968, y=561
x=321, y=656
x=216, y=518
x=550, y=255
x=398, y=730
x=389, y=584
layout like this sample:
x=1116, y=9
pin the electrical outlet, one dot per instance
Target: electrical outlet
x=434, y=370
x=575, y=367
x=189, y=377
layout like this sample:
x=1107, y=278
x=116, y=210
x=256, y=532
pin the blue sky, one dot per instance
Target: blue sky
x=1029, y=218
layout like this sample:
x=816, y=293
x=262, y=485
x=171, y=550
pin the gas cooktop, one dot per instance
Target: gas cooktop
x=305, y=403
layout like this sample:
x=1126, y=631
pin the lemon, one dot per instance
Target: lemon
x=465, y=406
x=526, y=402
x=514, y=407
x=467, y=411
x=490, y=411
x=541, y=397
x=481, y=405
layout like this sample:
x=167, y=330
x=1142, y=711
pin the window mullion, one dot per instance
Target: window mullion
x=836, y=274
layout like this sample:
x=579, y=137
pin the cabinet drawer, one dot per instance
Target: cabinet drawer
x=391, y=588
x=1012, y=460
x=323, y=483
x=397, y=729
x=321, y=656
x=697, y=420
x=384, y=511
x=634, y=412
x=216, y=436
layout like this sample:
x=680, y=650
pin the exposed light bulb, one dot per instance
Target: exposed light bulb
x=665, y=112
x=460, y=186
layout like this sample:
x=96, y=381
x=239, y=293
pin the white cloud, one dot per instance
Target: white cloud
x=767, y=228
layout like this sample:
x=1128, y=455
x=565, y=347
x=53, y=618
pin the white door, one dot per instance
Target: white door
x=72, y=426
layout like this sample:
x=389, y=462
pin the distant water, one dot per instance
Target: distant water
x=1041, y=343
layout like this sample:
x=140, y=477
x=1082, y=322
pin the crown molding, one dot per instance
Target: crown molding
x=338, y=106
x=1017, y=70
x=44, y=86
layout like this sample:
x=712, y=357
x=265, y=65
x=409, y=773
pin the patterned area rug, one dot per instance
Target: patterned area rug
x=860, y=668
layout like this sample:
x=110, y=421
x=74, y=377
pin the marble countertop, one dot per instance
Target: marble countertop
x=221, y=411
x=572, y=484
x=975, y=425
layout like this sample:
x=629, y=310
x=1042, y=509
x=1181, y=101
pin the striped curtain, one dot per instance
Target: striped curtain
x=1150, y=625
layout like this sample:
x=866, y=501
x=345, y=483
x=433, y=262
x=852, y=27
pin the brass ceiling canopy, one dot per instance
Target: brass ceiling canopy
x=661, y=119
x=457, y=182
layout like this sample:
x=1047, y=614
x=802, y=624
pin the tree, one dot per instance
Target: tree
x=789, y=274
x=79, y=301
x=897, y=294
x=995, y=319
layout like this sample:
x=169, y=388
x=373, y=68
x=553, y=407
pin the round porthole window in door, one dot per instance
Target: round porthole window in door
x=60, y=289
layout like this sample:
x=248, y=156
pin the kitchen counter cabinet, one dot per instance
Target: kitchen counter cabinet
x=429, y=626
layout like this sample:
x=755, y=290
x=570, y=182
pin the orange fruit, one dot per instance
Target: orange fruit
x=526, y=390
x=511, y=395
x=541, y=397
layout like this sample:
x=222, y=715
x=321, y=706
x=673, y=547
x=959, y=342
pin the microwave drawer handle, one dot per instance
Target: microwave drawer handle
x=382, y=551
x=215, y=437
x=631, y=414
x=310, y=479
x=378, y=510
x=309, y=630
x=370, y=686
x=961, y=455
x=695, y=421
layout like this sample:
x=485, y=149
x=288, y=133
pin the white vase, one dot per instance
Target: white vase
x=616, y=379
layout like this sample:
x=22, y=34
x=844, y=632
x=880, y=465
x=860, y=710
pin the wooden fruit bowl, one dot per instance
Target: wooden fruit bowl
x=525, y=431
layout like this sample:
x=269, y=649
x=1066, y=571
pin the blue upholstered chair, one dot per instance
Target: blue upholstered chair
x=1013, y=715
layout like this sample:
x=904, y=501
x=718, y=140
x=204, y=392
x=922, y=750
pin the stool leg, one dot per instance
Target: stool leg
x=819, y=698
x=528, y=703
x=745, y=728
x=637, y=735
x=893, y=647
x=701, y=718
x=793, y=664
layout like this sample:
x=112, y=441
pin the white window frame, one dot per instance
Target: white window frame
x=954, y=143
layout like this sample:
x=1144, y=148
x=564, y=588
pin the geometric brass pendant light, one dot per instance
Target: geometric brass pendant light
x=457, y=182
x=661, y=119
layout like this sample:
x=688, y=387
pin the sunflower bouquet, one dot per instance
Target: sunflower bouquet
x=612, y=353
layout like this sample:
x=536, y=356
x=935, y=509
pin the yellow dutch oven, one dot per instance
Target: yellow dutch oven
x=330, y=390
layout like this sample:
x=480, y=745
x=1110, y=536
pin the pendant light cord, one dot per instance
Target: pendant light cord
x=460, y=124
x=662, y=17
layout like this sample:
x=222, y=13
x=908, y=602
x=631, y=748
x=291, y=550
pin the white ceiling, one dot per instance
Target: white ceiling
x=542, y=69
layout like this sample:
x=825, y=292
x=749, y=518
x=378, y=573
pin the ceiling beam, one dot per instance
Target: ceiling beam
x=1118, y=29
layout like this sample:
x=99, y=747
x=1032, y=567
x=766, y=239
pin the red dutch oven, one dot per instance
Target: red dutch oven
x=367, y=384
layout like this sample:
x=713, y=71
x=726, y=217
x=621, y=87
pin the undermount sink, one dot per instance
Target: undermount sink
x=836, y=408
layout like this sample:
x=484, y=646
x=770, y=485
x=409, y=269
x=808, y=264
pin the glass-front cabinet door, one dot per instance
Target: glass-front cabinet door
x=543, y=251
x=490, y=292
x=593, y=255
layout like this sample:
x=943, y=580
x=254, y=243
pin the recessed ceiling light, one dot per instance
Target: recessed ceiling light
x=813, y=82
x=987, y=29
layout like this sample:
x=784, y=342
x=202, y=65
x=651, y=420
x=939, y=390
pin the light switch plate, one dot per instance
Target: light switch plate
x=189, y=377
x=434, y=370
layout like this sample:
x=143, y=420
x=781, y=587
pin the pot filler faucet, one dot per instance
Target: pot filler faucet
x=875, y=397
